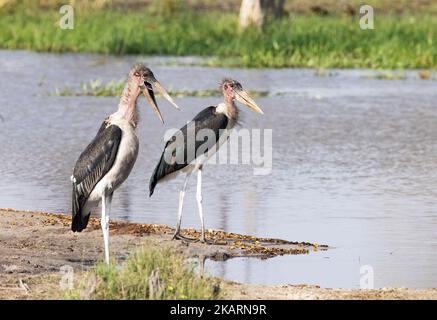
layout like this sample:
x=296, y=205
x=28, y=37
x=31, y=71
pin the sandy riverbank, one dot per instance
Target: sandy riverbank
x=34, y=246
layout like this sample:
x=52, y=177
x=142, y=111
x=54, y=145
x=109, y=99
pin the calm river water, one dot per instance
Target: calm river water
x=354, y=163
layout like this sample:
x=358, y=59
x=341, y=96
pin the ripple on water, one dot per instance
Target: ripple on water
x=353, y=164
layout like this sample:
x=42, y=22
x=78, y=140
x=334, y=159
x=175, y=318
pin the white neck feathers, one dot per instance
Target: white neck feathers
x=229, y=110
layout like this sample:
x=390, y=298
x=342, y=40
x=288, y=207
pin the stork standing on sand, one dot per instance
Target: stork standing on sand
x=176, y=157
x=108, y=160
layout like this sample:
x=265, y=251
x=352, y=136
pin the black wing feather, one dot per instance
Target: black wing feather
x=90, y=168
x=206, y=119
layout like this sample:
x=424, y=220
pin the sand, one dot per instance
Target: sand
x=36, y=246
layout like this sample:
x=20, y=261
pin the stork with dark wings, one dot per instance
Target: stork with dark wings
x=184, y=152
x=108, y=160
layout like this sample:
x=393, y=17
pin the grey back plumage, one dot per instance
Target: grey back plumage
x=182, y=142
x=90, y=168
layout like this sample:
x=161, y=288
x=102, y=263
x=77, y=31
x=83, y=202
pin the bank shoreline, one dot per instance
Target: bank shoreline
x=34, y=246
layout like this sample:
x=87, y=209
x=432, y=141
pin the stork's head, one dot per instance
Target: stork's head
x=143, y=77
x=233, y=90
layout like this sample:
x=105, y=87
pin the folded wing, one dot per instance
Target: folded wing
x=184, y=143
x=92, y=165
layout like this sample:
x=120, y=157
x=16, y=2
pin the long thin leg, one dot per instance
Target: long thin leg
x=106, y=208
x=199, y=203
x=181, y=204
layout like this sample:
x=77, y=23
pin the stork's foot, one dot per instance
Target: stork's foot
x=203, y=240
x=178, y=236
x=177, y=233
x=206, y=241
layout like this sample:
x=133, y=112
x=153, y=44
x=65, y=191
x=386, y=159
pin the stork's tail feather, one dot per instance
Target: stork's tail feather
x=153, y=181
x=78, y=222
x=161, y=170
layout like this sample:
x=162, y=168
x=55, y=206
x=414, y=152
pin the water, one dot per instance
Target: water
x=354, y=163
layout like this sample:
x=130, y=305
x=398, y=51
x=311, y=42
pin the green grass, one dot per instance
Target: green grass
x=113, y=88
x=97, y=88
x=177, y=279
x=397, y=42
x=388, y=76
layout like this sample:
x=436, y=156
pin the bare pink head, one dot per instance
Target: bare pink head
x=233, y=90
x=141, y=79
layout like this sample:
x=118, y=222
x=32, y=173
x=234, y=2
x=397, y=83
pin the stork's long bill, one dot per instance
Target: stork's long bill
x=150, y=95
x=244, y=97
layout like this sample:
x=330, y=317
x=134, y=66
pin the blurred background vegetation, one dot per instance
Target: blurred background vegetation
x=323, y=33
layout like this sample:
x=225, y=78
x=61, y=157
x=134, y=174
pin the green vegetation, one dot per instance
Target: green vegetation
x=149, y=273
x=388, y=76
x=398, y=41
x=94, y=88
x=97, y=88
x=113, y=88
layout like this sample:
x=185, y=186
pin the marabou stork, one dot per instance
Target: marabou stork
x=218, y=122
x=108, y=160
